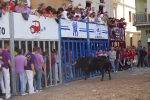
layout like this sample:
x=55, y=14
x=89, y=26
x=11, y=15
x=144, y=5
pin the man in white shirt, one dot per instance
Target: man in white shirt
x=92, y=10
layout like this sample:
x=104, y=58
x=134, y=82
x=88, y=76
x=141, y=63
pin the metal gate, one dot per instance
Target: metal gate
x=96, y=45
x=46, y=46
x=118, y=44
x=72, y=49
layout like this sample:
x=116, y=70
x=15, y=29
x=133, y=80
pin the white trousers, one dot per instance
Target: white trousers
x=7, y=81
x=30, y=76
x=2, y=81
x=56, y=72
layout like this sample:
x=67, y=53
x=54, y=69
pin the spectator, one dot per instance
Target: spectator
x=20, y=63
x=82, y=19
x=18, y=8
x=41, y=7
x=25, y=9
x=1, y=73
x=91, y=18
x=53, y=61
x=48, y=10
x=145, y=57
x=56, y=66
x=99, y=20
x=77, y=12
x=92, y=10
x=141, y=56
x=5, y=8
x=118, y=58
x=39, y=64
x=64, y=6
x=30, y=69
x=11, y=5
x=5, y=67
x=112, y=58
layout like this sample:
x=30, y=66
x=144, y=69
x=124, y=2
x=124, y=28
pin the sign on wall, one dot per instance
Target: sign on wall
x=4, y=26
x=116, y=33
x=35, y=27
x=97, y=31
x=73, y=29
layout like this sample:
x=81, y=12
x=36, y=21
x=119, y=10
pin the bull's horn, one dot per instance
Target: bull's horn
x=74, y=63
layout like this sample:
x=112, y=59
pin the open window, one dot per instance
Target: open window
x=102, y=1
x=101, y=9
x=88, y=3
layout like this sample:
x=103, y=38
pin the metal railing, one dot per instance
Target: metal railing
x=141, y=18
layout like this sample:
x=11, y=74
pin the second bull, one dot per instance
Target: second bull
x=89, y=64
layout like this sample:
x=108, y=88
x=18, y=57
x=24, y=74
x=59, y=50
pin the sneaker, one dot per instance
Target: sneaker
x=24, y=94
x=145, y=67
x=38, y=90
x=32, y=92
x=8, y=97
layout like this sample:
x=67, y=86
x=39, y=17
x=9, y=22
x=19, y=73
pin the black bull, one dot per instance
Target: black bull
x=89, y=64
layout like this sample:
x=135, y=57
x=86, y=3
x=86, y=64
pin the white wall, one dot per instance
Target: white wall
x=123, y=12
x=108, y=5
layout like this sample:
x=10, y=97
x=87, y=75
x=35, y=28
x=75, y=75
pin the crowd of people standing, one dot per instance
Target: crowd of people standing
x=125, y=58
x=29, y=67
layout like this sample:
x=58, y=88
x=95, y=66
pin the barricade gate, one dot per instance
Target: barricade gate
x=72, y=49
x=96, y=45
x=27, y=45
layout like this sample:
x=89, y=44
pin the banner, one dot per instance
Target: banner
x=35, y=27
x=73, y=29
x=97, y=31
x=4, y=26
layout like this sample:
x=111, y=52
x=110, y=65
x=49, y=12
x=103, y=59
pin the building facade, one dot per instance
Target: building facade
x=53, y=3
x=100, y=5
x=142, y=20
x=125, y=9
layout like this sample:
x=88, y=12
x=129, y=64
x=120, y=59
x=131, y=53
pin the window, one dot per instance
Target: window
x=102, y=1
x=130, y=16
x=88, y=4
x=100, y=9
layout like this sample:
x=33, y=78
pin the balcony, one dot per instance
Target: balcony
x=141, y=19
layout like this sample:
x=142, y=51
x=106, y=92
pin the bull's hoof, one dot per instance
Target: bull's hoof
x=109, y=78
x=85, y=78
x=101, y=79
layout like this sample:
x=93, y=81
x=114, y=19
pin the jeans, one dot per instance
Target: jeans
x=145, y=63
x=38, y=78
x=113, y=65
x=131, y=60
x=117, y=64
x=22, y=81
x=140, y=60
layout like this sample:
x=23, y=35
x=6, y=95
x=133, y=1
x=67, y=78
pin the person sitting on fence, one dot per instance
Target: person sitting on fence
x=11, y=5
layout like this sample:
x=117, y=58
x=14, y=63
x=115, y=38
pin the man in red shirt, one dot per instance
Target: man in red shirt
x=11, y=5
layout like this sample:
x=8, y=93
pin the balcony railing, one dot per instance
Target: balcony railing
x=141, y=18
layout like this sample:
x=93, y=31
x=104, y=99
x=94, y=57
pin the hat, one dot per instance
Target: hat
x=69, y=5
